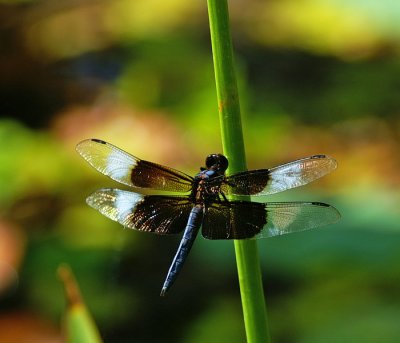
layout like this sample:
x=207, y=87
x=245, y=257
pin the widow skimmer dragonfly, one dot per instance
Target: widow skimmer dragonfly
x=205, y=205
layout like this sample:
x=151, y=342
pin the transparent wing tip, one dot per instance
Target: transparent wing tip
x=330, y=160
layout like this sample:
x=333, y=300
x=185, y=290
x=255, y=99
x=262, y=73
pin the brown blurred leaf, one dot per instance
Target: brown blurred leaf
x=23, y=327
x=12, y=249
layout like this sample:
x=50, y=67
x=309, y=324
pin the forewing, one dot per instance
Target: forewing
x=233, y=220
x=278, y=179
x=288, y=217
x=130, y=170
x=152, y=213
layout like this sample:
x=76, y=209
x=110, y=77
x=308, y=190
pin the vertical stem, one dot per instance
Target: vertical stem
x=247, y=259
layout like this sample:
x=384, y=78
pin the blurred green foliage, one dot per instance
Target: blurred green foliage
x=314, y=76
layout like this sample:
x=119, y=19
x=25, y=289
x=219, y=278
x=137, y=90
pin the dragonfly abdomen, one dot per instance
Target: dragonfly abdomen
x=188, y=238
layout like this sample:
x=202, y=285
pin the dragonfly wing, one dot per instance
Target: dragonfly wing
x=130, y=170
x=233, y=220
x=278, y=179
x=151, y=213
x=242, y=219
x=288, y=217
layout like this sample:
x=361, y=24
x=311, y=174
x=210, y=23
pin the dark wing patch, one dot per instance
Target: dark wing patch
x=246, y=183
x=159, y=214
x=233, y=220
x=130, y=170
x=151, y=175
x=278, y=179
x=288, y=217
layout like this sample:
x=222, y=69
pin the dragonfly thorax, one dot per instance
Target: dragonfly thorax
x=205, y=191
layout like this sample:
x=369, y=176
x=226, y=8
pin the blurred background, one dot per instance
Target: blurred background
x=314, y=76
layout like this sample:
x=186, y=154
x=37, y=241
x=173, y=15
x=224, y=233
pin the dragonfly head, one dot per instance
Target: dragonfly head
x=217, y=162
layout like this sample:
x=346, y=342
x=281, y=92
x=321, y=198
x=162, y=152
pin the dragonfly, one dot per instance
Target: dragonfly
x=205, y=204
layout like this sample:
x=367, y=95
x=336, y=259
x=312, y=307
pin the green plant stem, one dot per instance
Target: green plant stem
x=247, y=259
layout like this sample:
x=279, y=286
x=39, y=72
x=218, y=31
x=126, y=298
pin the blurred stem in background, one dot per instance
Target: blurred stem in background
x=247, y=259
x=78, y=324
